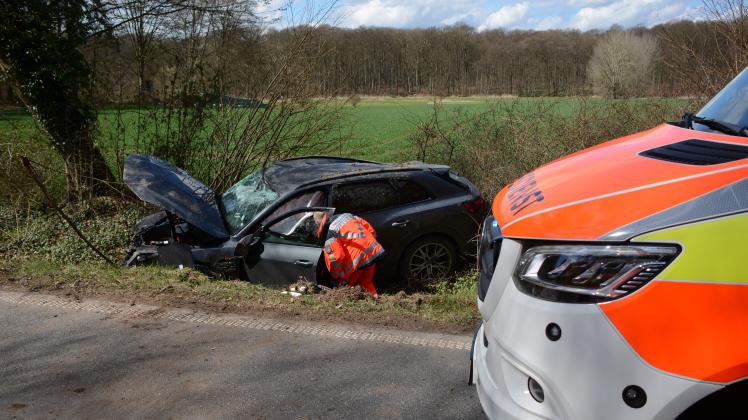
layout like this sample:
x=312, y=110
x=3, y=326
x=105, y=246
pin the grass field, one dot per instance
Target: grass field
x=379, y=127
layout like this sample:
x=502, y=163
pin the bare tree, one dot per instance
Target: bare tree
x=622, y=64
x=708, y=54
x=142, y=22
x=230, y=103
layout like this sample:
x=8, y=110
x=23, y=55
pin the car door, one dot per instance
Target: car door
x=404, y=222
x=378, y=202
x=289, y=247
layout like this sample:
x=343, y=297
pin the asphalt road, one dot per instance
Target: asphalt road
x=89, y=362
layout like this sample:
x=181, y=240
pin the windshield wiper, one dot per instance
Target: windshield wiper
x=721, y=126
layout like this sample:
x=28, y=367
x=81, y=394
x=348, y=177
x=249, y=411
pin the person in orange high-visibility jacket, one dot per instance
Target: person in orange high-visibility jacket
x=351, y=251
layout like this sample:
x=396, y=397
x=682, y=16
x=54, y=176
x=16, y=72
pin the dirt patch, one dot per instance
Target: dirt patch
x=344, y=294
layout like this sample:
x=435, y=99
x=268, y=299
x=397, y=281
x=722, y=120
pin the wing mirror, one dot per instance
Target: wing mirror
x=248, y=243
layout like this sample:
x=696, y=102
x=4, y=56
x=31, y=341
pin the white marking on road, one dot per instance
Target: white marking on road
x=151, y=312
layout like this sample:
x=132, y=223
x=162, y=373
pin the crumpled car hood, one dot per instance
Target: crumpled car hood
x=174, y=190
x=610, y=192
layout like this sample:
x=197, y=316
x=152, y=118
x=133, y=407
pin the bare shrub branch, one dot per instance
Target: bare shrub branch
x=495, y=147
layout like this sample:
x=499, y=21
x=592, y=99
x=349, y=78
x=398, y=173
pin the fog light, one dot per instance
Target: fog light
x=536, y=391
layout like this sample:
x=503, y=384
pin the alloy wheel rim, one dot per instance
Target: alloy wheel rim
x=430, y=260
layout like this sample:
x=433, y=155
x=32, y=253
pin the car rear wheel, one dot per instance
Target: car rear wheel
x=428, y=259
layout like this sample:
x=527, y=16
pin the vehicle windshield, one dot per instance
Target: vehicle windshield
x=243, y=201
x=730, y=105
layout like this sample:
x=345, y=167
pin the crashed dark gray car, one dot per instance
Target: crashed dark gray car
x=270, y=226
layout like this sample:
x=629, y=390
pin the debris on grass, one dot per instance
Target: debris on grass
x=301, y=287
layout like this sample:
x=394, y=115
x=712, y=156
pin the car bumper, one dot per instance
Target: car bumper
x=494, y=397
x=583, y=374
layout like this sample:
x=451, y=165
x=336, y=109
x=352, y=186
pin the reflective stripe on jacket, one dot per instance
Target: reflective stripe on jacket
x=351, y=245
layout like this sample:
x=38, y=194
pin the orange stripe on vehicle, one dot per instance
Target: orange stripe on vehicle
x=610, y=212
x=590, y=193
x=696, y=330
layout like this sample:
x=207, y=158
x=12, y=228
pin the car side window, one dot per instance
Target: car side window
x=362, y=197
x=410, y=191
x=316, y=198
x=306, y=229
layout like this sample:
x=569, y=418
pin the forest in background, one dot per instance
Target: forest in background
x=445, y=61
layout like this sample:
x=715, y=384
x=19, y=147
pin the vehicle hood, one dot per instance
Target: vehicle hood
x=611, y=192
x=174, y=190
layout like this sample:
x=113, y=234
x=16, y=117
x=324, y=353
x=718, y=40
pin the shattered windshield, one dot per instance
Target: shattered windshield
x=242, y=202
x=730, y=104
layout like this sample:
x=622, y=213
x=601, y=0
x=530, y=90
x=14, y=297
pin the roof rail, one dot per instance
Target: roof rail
x=359, y=173
x=330, y=157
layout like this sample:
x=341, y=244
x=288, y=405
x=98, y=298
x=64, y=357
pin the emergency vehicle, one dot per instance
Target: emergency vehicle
x=614, y=281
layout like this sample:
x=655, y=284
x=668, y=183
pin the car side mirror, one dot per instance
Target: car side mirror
x=248, y=243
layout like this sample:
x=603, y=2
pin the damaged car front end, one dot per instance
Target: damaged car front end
x=193, y=230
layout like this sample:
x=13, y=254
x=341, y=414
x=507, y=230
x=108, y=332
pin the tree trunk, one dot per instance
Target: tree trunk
x=86, y=171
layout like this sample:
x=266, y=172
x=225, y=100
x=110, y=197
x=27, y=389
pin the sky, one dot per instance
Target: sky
x=490, y=14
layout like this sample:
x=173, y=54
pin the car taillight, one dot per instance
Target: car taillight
x=475, y=206
x=590, y=273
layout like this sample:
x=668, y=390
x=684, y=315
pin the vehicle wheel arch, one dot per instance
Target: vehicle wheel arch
x=725, y=403
x=440, y=235
x=459, y=250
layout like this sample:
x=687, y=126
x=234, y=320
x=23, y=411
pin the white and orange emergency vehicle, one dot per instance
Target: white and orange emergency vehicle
x=614, y=281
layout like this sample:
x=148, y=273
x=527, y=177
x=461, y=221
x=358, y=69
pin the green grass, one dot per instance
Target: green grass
x=447, y=305
x=107, y=223
x=16, y=125
x=379, y=126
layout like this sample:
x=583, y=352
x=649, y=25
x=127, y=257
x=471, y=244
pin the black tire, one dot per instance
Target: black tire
x=427, y=259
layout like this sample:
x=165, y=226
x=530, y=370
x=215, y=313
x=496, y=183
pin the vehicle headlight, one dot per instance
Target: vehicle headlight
x=590, y=273
x=488, y=254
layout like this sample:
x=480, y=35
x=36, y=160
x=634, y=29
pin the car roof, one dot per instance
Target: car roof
x=291, y=174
